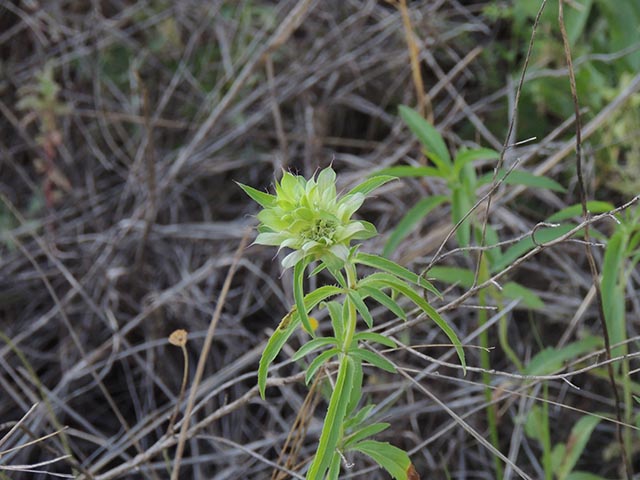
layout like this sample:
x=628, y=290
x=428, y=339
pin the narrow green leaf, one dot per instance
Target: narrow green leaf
x=594, y=206
x=337, y=322
x=265, y=200
x=460, y=206
x=375, y=337
x=320, y=294
x=318, y=362
x=333, y=421
x=461, y=276
x=389, y=281
x=613, y=302
x=410, y=171
x=515, y=291
x=466, y=156
x=523, y=177
x=366, y=432
x=385, y=300
x=550, y=360
x=521, y=247
x=584, y=476
x=374, y=359
x=392, y=459
x=312, y=345
x=371, y=184
x=428, y=136
x=356, y=387
x=274, y=345
x=393, y=268
x=362, y=415
x=410, y=221
x=298, y=295
x=362, y=308
x=580, y=434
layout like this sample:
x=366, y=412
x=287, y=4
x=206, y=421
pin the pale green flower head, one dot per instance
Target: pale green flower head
x=309, y=217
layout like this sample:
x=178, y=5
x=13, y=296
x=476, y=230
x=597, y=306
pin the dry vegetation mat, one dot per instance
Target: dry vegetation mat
x=134, y=309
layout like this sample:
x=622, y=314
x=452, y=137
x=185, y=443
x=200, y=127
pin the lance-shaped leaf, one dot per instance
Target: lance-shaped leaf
x=369, y=185
x=399, y=271
x=384, y=299
x=265, y=200
x=429, y=137
x=392, y=459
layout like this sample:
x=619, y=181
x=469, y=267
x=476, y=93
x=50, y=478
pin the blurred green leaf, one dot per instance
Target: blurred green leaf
x=370, y=184
x=593, y=206
x=580, y=434
x=551, y=360
x=522, y=177
x=514, y=291
x=410, y=221
x=466, y=156
x=613, y=302
x=461, y=276
x=410, y=171
x=373, y=358
x=429, y=137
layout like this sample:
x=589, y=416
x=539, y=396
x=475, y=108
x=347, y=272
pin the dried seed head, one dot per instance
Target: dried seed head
x=178, y=338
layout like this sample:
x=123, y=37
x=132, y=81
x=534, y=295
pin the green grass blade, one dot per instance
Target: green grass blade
x=551, y=360
x=410, y=221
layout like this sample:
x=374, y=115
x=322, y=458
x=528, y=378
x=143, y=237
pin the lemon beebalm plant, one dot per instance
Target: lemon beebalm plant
x=315, y=224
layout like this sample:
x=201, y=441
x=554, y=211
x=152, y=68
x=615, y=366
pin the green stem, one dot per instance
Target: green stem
x=333, y=430
x=485, y=363
x=546, y=436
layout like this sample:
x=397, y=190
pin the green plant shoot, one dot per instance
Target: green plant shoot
x=309, y=218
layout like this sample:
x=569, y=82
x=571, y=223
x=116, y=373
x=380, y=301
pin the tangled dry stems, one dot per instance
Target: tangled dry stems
x=126, y=231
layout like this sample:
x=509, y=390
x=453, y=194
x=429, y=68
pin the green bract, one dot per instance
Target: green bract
x=309, y=217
